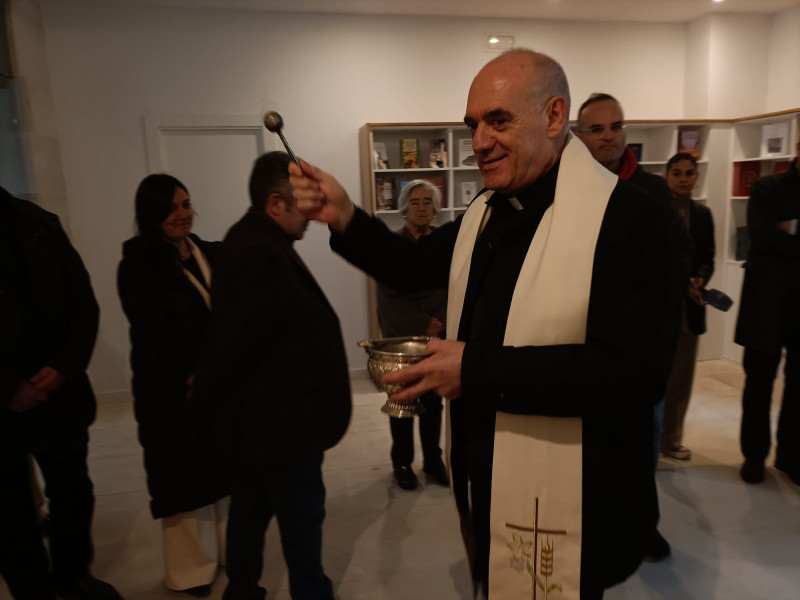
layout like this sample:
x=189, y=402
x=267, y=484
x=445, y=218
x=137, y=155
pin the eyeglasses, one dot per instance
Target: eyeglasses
x=597, y=131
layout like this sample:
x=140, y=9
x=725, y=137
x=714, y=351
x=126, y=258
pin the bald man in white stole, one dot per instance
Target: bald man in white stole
x=564, y=300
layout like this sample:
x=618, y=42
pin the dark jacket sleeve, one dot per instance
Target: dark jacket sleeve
x=704, y=244
x=71, y=353
x=395, y=260
x=763, y=215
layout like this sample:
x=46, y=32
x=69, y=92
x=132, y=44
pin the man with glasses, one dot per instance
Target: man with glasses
x=601, y=126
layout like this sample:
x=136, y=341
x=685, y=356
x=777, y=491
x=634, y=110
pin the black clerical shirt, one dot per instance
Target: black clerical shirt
x=497, y=259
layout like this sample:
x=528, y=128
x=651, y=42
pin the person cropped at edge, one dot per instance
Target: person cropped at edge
x=404, y=312
x=769, y=321
x=163, y=283
x=48, y=319
x=681, y=178
x=274, y=385
x=577, y=340
x=601, y=126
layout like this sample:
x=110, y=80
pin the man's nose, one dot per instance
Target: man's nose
x=482, y=139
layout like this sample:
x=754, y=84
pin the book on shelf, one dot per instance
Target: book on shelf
x=781, y=166
x=380, y=158
x=409, y=153
x=468, y=191
x=438, y=154
x=774, y=137
x=466, y=155
x=438, y=181
x=745, y=172
x=384, y=193
x=689, y=141
x=636, y=148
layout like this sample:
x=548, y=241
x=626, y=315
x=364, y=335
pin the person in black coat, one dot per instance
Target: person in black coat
x=601, y=126
x=274, y=388
x=421, y=312
x=681, y=177
x=769, y=321
x=163, y=282
x=48, y=320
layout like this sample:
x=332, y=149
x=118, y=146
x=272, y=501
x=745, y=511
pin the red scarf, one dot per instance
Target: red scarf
x=629, y=164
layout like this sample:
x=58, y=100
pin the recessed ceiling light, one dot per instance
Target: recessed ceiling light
x=717, y=0
x=499, y=43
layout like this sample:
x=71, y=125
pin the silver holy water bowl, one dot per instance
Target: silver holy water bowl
x=390, y=354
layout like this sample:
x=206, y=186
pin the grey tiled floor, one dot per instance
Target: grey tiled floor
x=730, y=541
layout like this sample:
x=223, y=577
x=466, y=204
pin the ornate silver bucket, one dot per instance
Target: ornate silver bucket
x=391, y=354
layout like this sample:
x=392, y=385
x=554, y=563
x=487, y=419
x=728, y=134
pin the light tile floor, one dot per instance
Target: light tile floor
x=730, y=541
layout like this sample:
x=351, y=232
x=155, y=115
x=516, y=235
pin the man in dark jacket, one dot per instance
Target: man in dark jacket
x=274, y=383
x=769, y=320
x=49, y=323
x=601, y=126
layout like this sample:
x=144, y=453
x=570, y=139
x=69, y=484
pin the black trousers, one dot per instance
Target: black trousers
x=760, y=368
x=295, y=494
x=430, y=427
x=24, y=562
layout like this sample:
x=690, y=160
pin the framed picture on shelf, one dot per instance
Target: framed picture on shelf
x=384, y=193
x=380, y=159
x=468, y=191
x=466, y=155
x=438, y=181
x=438, y=155
x=781, y=166
x=636, y=148
x=409, y=153
x=774, y=139
x=689, y=141
x=744, y=174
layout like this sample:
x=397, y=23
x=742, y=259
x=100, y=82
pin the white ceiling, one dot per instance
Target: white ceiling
x=659, y=11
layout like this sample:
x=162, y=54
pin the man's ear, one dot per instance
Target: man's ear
x=557, y=116
x=275, y=205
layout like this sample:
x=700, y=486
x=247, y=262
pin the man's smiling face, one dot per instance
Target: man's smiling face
x=509, y=130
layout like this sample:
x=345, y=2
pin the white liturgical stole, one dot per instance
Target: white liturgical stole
x=537, y=468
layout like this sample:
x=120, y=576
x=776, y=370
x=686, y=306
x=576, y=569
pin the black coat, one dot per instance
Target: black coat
x=612, y=381
x=701, y=232
x=48, y=317
x=273, y=378
x=168, y=317
x=409, y=312
x=770, y=300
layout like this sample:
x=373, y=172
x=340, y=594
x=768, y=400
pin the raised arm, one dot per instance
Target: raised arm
x=320, y=197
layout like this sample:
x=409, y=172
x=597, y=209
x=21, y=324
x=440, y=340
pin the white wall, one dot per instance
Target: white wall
x=784, y=62
x=726, y=66
x=326, y=74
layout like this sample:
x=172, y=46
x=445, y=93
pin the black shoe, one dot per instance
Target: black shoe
x=405, y=477
x=88, y=588
x=199, y=591
x=752, y=471
x=794, y=474
x=657, y=549
x=437, y=472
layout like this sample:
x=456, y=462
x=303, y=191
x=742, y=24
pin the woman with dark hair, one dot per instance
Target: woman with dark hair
x=163, y=282
x=682, y=175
